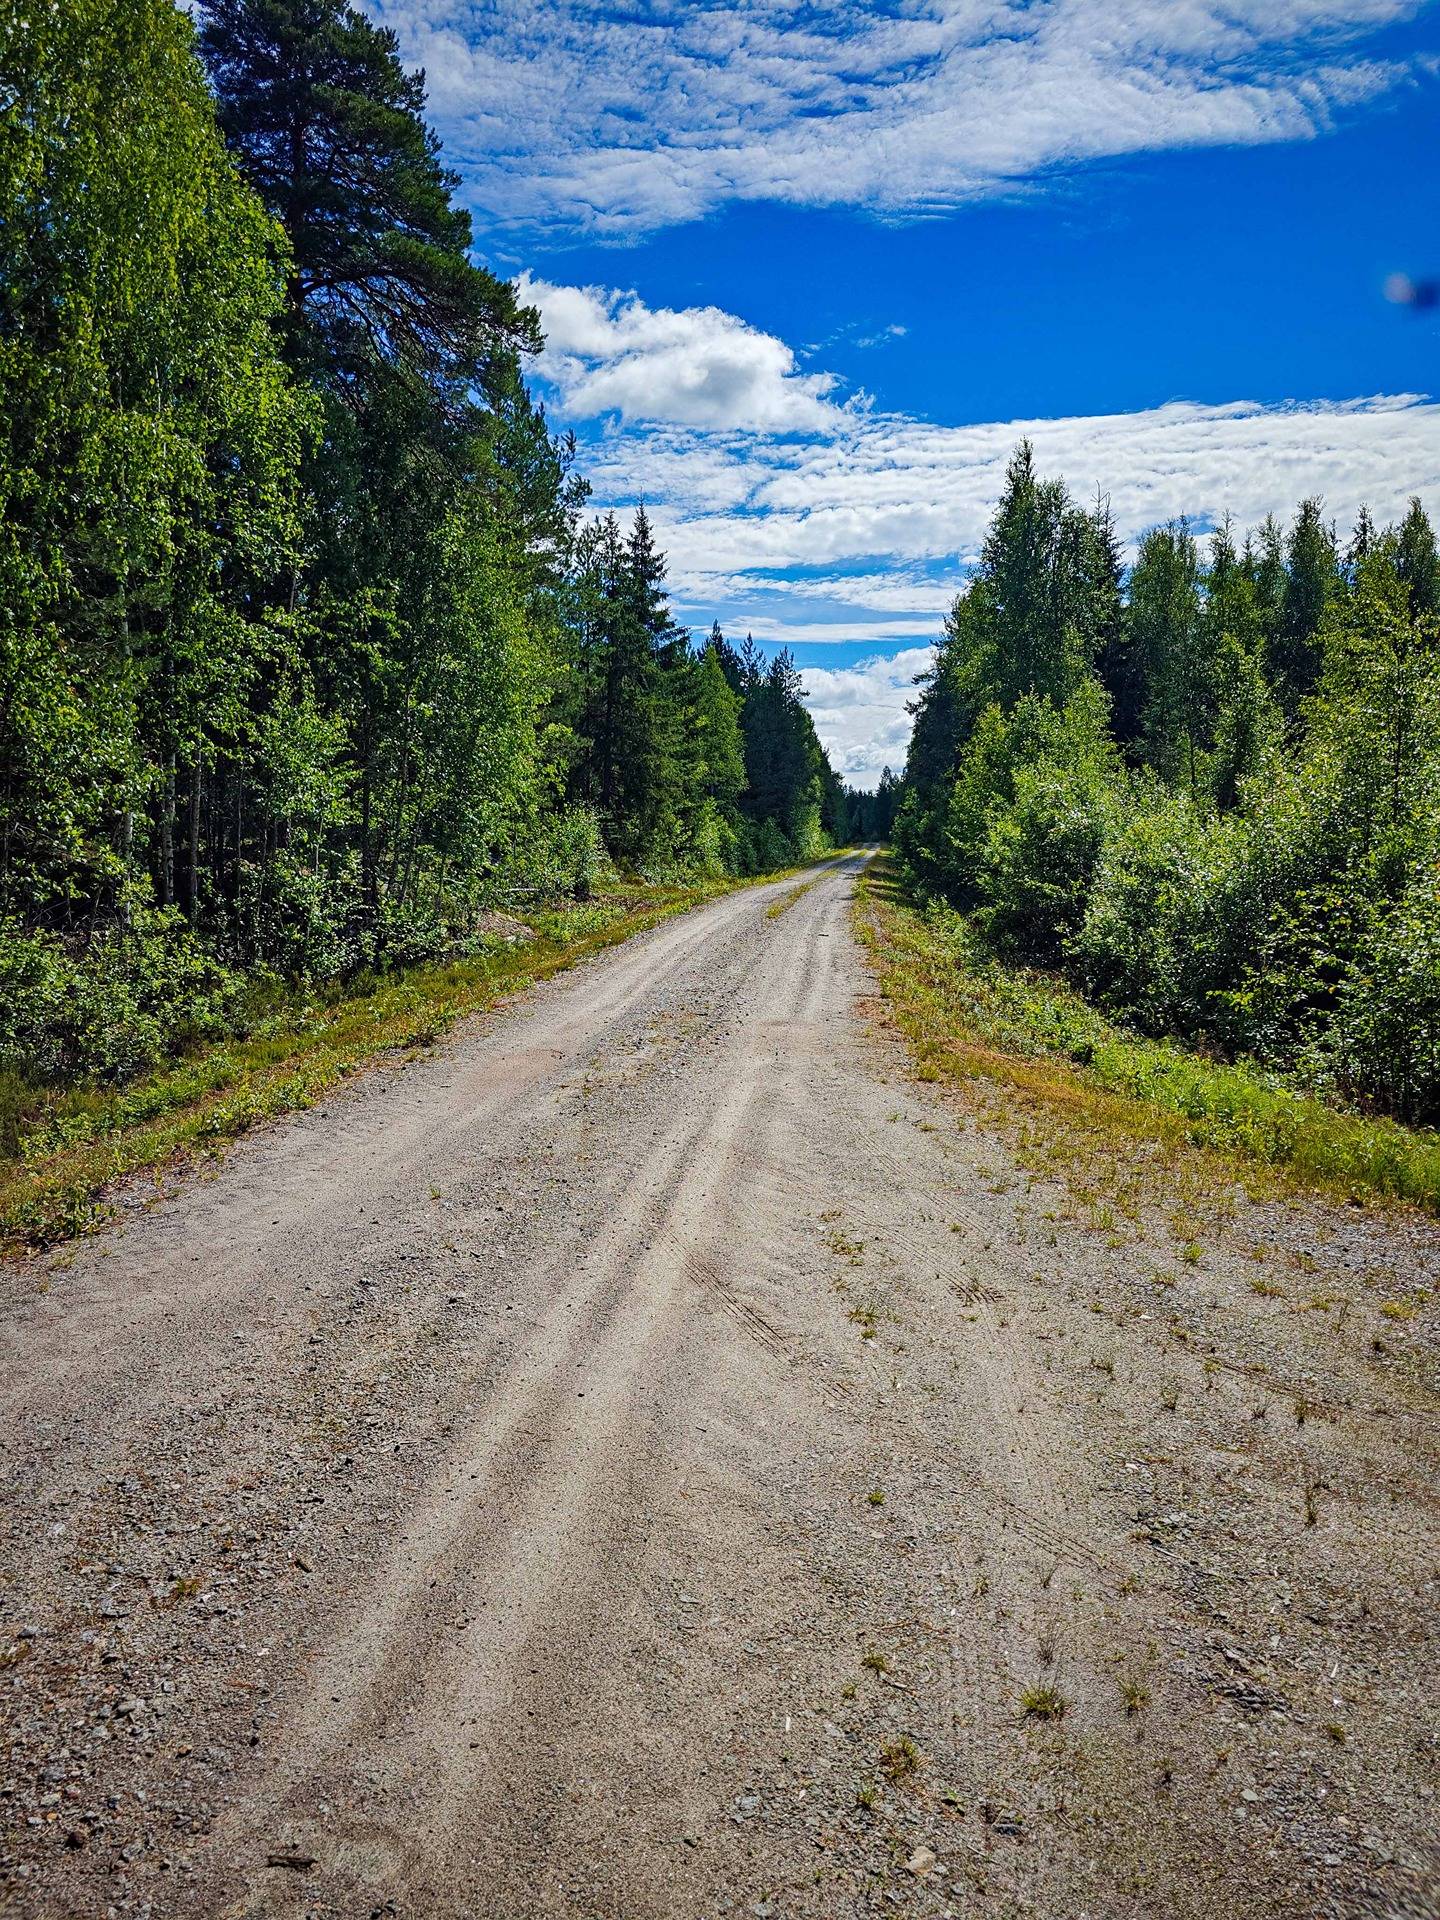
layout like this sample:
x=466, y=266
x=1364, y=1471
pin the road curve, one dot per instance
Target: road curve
x=594, y=1470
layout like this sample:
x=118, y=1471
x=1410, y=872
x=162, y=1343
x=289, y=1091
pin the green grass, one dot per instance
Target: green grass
x=62, y=1149
x=967, y=1016
x=1043, y=1703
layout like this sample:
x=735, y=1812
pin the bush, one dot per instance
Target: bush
x=1383, y=1045
x=560, y=854
x=716, y=846
x=109, y=1008
x=1154, y=939
x=300, y=917
x=770, y=850
x=807, y=835
x=1040, y=855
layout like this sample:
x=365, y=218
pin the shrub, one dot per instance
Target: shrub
x=1383, y=1045
x=1040, y=856
x=112, y=1006
x=717, y=845
x=807, y=836
x=769, y=849
x=1154, y=941
x=560, y=853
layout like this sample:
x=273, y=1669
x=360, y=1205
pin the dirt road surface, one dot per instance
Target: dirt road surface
x=651, y=1459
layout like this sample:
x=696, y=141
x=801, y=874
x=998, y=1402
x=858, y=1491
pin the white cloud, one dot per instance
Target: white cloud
x=607, y=352
x=623, y=119
x=784, y=632
x=859, y=712
x=893, y=489
x=890, y=593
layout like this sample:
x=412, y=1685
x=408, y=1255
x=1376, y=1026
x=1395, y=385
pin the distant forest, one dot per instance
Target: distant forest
x=309, y=648
x=1206, y=788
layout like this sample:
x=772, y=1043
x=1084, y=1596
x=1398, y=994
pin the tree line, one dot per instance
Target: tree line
x=1205, y=787
x=308, y=644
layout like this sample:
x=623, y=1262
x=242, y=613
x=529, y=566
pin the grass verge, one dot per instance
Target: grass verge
x=967, y=1017
x=74, y=1144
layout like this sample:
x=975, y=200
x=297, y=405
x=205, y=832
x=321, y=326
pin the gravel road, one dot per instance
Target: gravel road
x=650, y=1459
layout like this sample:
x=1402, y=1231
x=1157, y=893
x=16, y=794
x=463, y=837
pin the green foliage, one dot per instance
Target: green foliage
x=149, y=453
x=970, y=1013
x=112, y=1007
x=1168, y=639
x=562, y=855
x=1153, y=935
x=305, y=658
x=62, y=1147
x=1383, y=1042
x=1258, y=872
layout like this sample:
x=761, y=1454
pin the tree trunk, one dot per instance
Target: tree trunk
x=192, y=878
x=167, y=835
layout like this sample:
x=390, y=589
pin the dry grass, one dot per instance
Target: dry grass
x=1082, y=1115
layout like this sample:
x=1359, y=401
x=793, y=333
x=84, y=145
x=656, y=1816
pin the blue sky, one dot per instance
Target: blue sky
x=809, y=271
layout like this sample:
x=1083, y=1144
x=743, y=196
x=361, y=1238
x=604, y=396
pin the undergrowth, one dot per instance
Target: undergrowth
x=969, y=1016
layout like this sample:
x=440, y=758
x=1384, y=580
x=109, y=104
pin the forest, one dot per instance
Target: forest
x=1204, y=788
x=309, y=646
x=312, y=650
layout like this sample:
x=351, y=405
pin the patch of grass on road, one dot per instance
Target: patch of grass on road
x=787, y=900
x=70, y=1145
x=969, y=1018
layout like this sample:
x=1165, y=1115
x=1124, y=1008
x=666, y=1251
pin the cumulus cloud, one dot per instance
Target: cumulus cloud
x=607, y=352
x=859, y=712
x=624, y=119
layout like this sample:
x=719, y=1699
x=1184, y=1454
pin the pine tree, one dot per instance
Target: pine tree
x=330, y=130
x=444, y=509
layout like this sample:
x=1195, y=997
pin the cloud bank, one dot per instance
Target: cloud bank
x=621, y=120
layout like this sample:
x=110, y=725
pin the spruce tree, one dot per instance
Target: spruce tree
x=1416, y=563
x=1311, y=580
x=1168, y=636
